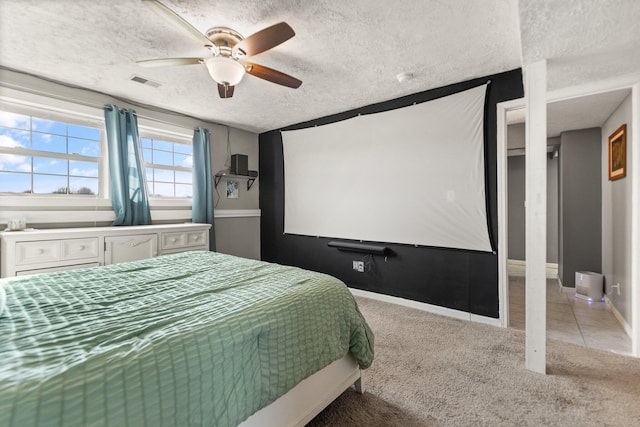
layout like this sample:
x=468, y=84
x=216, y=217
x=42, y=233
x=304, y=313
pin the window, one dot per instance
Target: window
x=48, y=154
x=168, y=166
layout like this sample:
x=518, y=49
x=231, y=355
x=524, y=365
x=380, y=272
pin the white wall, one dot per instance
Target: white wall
x=616, y=217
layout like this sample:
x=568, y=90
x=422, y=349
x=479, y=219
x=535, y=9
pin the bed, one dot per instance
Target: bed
x=191, y=339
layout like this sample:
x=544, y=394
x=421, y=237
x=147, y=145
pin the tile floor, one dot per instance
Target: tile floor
x=571, y=319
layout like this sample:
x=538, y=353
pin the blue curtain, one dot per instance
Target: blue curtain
x=202, y=204
x=126, y=176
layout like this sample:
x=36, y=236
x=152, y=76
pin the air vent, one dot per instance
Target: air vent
x=144, y=81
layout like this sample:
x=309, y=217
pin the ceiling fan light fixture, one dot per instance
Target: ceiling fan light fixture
x=225, y=71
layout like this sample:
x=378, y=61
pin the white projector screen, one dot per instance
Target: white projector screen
x=412, y=175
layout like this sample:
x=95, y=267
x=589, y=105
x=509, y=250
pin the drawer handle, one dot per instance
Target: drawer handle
x=173, y=240
x=40, y=251
x=82, y=247
x=196, y=238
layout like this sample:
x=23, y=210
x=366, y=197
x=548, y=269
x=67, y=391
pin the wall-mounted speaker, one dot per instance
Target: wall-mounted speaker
x=239, y=164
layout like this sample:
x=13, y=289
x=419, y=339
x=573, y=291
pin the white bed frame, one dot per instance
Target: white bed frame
x=307, y=399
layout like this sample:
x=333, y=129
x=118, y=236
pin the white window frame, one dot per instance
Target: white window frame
x=168, y=133
x=50, y=109
x=45, y=106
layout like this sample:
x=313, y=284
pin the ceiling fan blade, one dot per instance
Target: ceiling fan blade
x=265, y=39
x=168, y=62
x=177, y=21
x=225, y=91
x=272, y=75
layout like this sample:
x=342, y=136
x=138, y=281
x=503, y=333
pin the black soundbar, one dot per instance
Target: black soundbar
x=359, y=247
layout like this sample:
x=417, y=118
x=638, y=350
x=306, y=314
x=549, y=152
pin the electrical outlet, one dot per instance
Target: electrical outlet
x=358, y=266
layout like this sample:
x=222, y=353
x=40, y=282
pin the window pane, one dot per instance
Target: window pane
x=147, y=155
x=15, y=182
x=184, y=190
x=183, y=148
x=149, y=174
x=83, y=185
x=162, y=158
x=12, y=120
x=183, y=160
x=162, y=145
x=163, y=190
x=15, y=163
x=49, y=173
x=145, y=142
x=78, y=168
x=50, y=166
x=84, y=147
x=49, y=142
x=48, y=184
x=48, y=126
x=184, y=177
x=163, y=175
x=84, y=132
x=15, y=138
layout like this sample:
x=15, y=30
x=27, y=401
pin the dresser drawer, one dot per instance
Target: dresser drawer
x=37, y=252
x=79, y=248
x=184, y=240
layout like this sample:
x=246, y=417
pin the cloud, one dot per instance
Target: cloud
x=90, y=172
x=7, y=141
x=187, y=162
x=12, y=120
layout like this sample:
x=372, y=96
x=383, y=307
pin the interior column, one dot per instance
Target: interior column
x=535, y=87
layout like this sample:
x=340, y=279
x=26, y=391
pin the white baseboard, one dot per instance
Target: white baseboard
x=516, y=267
x=618, y=316
x=430, y=308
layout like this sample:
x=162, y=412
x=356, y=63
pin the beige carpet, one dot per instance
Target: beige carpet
x=431, y=370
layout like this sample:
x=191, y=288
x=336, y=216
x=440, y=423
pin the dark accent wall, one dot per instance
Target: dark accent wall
x=580, y=204
x=457, y=279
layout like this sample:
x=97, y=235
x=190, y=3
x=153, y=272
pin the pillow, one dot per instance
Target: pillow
x=3, y=300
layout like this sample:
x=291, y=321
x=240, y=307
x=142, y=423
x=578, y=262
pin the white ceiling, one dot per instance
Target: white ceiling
x=347, y=53
x=576, y=113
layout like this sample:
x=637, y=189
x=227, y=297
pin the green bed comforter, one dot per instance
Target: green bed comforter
x=192, y=339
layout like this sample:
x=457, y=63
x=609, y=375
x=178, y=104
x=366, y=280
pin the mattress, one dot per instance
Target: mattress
x=191, y=339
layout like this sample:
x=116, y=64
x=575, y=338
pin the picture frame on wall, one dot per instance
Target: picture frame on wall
x=618, y=153
x=232, y=189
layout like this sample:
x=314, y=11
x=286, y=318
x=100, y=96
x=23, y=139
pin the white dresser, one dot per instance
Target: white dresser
x=40, y=251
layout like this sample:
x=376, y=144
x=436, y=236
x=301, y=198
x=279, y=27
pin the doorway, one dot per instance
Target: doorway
x=596, y=324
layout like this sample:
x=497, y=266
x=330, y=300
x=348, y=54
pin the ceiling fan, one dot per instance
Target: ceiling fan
x=228, y=50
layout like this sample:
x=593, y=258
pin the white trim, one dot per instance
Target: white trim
x=49, y=102
x=503, y=247
x=635, y=219
x=88, y=213
x=619, y=317
x=517, y=267
x=429, y=308
x=535, y=86
x=53, y=201
x=236, y=213
x=171, y=215
x=53, y=216
x=602, y=86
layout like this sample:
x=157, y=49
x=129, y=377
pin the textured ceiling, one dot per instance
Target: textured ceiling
x=583, y=41
x=347, y=53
